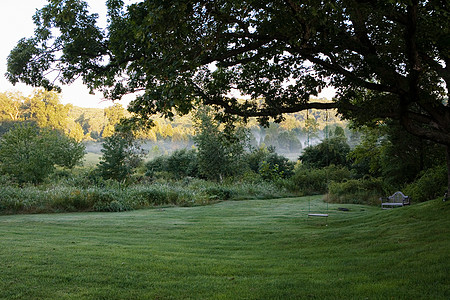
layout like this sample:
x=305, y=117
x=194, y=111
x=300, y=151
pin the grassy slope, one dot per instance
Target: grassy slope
x=259, y=249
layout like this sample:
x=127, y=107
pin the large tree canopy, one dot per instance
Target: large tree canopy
x=386, y=59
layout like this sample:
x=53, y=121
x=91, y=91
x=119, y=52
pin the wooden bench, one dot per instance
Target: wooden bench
x=398, y=199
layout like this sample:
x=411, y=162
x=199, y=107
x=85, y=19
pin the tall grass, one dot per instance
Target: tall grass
x=310, y=181
x=110, y=196
x=357, y=191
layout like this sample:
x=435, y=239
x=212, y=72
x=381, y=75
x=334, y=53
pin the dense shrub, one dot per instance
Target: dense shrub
x=331, y=151
x=274, y=167
x=156, y=165
x=259, y=163
x=255, y=157
x=183, y=163
x=388, y=151
x=113, y=206
x=308, y=181
x=262, y=190
x=9, y=200
x=268, y=164
x=83, y=178
x=30, y=154
x=180, y=164
x=6, y=180
x=430, y=185
x=357, y=191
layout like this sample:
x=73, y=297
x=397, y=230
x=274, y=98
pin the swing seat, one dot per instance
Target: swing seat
x=317, y=215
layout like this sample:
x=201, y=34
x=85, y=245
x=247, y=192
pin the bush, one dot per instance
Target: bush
x=255, y=158
x=430, y=185
x=308, y=181
x=6, y=180
x=29, y=153
x=183, y=163
x=331, y=151
x=113, y=206
x=357, y=191
x=156, y=165
x=10, y=202
x=27, y=199
x=268, y=164
x=101, y=198
x=180, y=164
x=262, y=190
x=274, y=167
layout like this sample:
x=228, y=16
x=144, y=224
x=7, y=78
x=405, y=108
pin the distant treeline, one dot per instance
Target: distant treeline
x=93, y=124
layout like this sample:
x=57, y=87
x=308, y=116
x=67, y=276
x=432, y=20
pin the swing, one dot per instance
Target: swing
x=314, y=214
x=320, y=214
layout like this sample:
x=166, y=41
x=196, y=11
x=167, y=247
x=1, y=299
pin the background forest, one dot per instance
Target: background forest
x=56, y=157
x=94, y=124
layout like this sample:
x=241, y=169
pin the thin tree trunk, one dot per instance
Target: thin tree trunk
x=448, y=173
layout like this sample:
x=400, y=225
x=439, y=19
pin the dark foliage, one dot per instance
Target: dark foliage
x=308, y=181
x=331, y=151
x=30, y=154
x=180, y=164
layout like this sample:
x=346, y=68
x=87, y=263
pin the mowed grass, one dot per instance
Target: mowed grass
x=257, y=249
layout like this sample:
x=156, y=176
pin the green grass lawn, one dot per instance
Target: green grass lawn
x=258, y=249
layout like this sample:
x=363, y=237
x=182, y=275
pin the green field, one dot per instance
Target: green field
x=257, y=249
x=91, y=159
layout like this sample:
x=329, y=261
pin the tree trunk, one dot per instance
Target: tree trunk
x=448, y=172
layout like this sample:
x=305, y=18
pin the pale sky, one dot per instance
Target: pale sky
x=16, y=23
